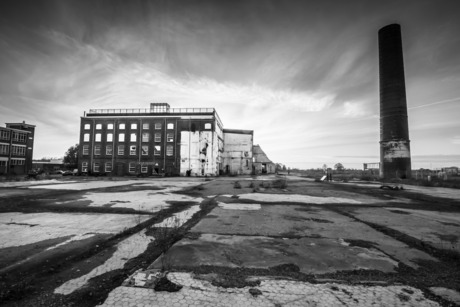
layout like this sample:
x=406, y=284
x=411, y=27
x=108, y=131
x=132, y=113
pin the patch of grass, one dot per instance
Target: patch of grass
x=280, y=183
x=237, y=185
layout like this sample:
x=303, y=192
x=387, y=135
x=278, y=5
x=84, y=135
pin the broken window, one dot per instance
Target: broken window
x=84, y=167
x=145, y=126
x=145, y=137
x=170, y=137
x=157, y=150
x=145, y=150
x=157, y=137
x=132, y=150
x=97, y=150
x=157, y=126
x=169, y=150
x=109, y=150
x=96, y=167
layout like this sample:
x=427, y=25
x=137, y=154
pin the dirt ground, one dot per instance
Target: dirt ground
x=70, y=242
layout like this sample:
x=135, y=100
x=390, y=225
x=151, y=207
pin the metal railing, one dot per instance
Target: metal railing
x=151, y=111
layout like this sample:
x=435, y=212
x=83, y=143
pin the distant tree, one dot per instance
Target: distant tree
x=284, y=167
x=324, y=167
x=71, y=156
x=339, y=167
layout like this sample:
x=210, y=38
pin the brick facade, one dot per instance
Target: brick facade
x=16, y=148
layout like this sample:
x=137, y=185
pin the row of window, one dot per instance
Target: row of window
x=132, y=150
x=17, y=162
x=122, y=126
x=108, y=167
x=4, y=135
x=15, y=150
x=17, y=136
x=13, y=162
x=132, y=137
x=145, y=126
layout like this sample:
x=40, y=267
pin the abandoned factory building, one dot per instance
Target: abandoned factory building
x=163, y=140
x=16, y=148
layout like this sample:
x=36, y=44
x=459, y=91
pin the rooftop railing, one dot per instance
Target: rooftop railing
x=151, y=111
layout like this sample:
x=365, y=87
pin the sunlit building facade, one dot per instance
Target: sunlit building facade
x=159, y=140
x=16, y=148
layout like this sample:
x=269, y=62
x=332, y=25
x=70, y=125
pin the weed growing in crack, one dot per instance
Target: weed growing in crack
x=166, y=233
x=237, y=185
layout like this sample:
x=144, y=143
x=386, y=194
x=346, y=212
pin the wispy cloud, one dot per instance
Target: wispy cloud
x=435, y=103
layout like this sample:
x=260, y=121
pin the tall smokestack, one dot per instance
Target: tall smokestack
x=395, y=161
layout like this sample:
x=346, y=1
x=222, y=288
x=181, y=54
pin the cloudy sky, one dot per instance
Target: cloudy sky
x=302, y=74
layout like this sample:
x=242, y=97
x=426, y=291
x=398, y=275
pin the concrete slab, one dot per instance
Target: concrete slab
x=312, y=255
x=237, y=206
x=180, y=218
x=18, y=229
x=439, y=229
x=126, y=249
x=305, y=221
x=298, y=198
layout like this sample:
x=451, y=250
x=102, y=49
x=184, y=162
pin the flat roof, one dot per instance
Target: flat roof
x=238, y=131
x=22, y=124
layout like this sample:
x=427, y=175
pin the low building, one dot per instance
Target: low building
x=375, y=166
x=16, y=148
x=48, y=166
x=262, y=164
x=237, y=155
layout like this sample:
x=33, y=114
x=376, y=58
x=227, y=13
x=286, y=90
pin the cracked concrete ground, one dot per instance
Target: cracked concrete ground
x=309, y=243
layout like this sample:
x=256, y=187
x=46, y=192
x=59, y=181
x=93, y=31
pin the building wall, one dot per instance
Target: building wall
x=237, y=155
x=170, y=150
x=16, y=148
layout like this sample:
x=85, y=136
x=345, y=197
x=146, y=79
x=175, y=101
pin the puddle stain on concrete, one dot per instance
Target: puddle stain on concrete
x=312, y=255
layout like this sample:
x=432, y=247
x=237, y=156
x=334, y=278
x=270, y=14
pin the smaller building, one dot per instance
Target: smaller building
x=16, y=148
x=237, y=154
x=375, y=166
x=48, y=166
x=262, y=164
